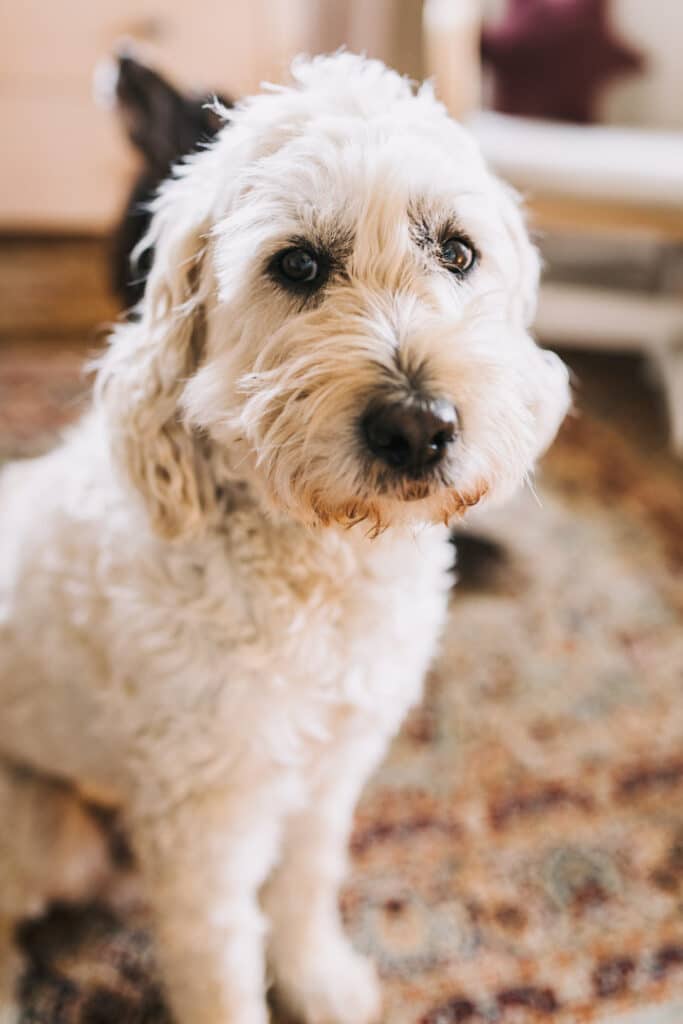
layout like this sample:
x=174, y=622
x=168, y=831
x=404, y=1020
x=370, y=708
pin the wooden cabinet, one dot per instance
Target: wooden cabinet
x=65, y=164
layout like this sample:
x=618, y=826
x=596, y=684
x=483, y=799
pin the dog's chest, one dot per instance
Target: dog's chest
x=297, y=638
x=329, y=601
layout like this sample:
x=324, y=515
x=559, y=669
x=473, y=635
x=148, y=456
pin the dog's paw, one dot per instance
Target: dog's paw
x=10, y=970
x=339, y=987
x=9, y=1012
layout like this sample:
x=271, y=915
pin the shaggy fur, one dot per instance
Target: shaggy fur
x=165, y=125
x=215, y=605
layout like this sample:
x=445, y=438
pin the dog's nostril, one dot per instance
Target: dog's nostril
x=394, y=448
x=411, y=436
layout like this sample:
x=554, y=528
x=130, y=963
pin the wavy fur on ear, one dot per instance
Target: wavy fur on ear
x=528, y=268
x=142, y=376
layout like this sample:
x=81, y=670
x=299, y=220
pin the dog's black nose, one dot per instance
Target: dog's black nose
x=413, y=435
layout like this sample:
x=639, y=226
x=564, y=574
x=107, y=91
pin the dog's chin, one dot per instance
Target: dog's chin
x=373, y=501
x=409, y=504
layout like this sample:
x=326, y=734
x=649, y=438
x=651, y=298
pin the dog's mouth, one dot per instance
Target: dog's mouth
x=427, y=501
x=414, y=490
x=438, y=506
x=456, y=501
x=407, y=485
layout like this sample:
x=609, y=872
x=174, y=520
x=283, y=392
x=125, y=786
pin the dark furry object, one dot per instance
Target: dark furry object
x=479, y=560
x=164, y=125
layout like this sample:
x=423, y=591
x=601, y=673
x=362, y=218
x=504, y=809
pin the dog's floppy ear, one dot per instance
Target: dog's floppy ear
x=528, y=264
x=142, y=375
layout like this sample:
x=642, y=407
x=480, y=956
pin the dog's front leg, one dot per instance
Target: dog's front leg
x=10, y=970
x=204, y=864
x=317, y=972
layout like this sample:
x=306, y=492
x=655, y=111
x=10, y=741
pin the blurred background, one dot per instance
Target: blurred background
x=519, y=857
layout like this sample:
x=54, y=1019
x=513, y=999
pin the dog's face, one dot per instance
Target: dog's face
x=361, y=296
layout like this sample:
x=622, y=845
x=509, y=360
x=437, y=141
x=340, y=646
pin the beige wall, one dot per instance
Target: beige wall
x=655, y=27
x=64, y=162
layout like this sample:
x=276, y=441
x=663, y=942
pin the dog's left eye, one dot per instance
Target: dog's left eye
x=457, y=255
x=299, y=266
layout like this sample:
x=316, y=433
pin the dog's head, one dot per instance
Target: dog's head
x=337, y=312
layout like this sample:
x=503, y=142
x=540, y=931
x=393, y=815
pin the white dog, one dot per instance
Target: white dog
x=220, y=595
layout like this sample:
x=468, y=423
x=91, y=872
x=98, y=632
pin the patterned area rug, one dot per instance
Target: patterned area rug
x=519, y=857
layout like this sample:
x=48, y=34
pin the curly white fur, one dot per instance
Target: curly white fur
x=214, y=609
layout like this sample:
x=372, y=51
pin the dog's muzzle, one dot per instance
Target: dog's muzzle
x=411, y=436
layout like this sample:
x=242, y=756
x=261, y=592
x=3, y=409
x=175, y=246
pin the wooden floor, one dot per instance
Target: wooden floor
x=54, y=289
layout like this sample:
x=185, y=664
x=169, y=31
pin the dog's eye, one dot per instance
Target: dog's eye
x=299, y=266
x=457, y=255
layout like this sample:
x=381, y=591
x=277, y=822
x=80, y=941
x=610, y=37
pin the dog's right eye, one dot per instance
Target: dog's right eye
x=301, y=269
x=299, y=266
